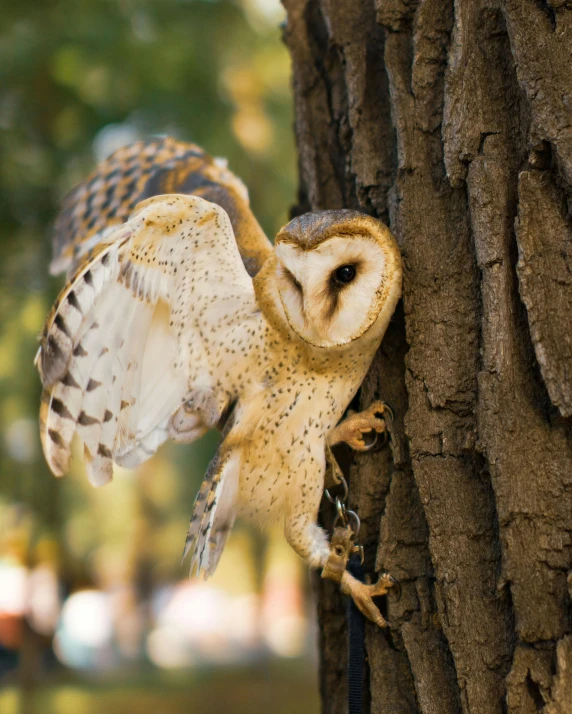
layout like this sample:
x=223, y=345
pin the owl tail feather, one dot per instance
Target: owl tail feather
x=213, y=515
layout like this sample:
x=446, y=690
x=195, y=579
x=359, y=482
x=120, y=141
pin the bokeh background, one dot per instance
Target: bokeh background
x=96, y=612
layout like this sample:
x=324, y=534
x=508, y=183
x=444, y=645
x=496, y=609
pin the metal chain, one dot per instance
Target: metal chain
x=347, y=517
x=350, y=519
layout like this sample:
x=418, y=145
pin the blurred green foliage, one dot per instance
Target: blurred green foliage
x=77, y=77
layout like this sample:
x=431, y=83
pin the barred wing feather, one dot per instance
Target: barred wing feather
x=161, y=165
x=125, y=340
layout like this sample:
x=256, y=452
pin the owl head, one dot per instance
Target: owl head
x=338, y=276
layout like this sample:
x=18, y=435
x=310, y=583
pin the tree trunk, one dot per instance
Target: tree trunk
x=452, y=122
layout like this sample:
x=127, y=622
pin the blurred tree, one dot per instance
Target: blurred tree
x=78, y=79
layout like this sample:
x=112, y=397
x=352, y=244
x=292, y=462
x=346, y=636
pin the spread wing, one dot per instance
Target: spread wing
x=128, y=338
x=104, y=201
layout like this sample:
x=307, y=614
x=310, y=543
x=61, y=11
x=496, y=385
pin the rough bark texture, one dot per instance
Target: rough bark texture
x=452, y=122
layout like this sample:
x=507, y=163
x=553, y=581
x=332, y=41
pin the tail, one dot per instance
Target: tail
x=214, y=514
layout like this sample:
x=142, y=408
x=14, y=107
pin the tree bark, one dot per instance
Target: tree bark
x=452, y=122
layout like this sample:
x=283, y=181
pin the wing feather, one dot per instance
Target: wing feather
x=156, y=166
x=66, y=411
x=134, y=339
x=99, y=461
x=117, y=349
x=72, y=310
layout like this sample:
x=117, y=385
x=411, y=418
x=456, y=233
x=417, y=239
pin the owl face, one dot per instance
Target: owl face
x=335, y=275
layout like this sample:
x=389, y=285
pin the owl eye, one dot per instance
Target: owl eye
x=344, y=274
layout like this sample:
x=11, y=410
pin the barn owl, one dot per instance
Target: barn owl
x=179, y=316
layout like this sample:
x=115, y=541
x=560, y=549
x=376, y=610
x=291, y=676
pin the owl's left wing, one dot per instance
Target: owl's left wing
x=117, y=350
x=160, y=165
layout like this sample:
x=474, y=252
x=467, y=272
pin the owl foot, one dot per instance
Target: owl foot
x=357, y=425
x=342, y=545
x=362, y=594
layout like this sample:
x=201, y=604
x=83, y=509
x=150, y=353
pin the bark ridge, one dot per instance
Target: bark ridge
x=451, y=120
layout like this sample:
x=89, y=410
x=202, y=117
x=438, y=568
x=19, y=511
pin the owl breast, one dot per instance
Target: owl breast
x=288, y=397
x=284, y=453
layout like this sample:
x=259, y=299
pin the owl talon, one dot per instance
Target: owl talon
x=394, y=584
x=384, y=412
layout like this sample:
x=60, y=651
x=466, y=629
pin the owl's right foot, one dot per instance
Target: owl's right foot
x=360, y=429
x=362, y=594
x=342, y=545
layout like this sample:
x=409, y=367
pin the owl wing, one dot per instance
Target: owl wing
x=126, y=342
x=105, y=200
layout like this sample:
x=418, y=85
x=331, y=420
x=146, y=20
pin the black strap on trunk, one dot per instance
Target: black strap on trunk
x=356, y=641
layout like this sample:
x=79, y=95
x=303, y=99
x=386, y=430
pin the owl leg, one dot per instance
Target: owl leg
x=370, y=421
x=362, y=594
x=301, y=529
x=311, y=543
x=308, y=540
